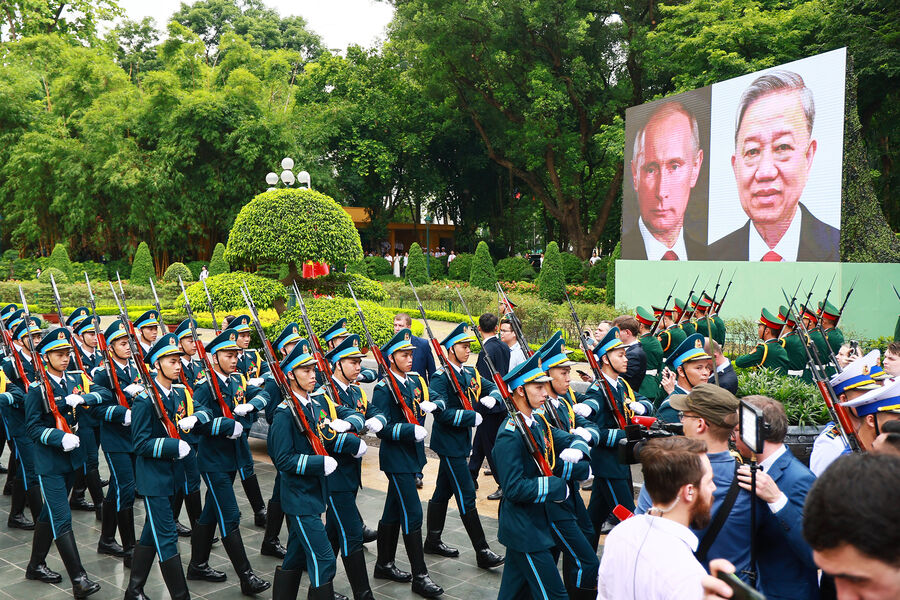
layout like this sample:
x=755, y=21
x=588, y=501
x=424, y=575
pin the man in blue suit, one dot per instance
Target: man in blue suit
x=423, y=358
x=784, y=560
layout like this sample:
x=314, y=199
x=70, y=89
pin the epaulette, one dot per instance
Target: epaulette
x=34, y=384
x=412, y=373
x=74, y=371
x=381, y=383
x=439, y=371
x=283, y=404
x=318, y=392
x=832, y=432
x=510, y=425
x=178, y=385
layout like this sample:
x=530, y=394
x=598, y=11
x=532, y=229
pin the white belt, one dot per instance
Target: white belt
x=652, y=372
x=795, y=373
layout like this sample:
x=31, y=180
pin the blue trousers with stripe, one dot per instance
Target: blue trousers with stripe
x=343, y=518
x=580, y=562
x=531, y=574
x=121, y=479
x=309, y=549
x=605, y=495
x=191, y=482
x=221, y=505
x=159, y=527
x=402, y=504
x=455, y=480
x=245, y=468
x=25, y=453
x=90, y=441
x=56, y=488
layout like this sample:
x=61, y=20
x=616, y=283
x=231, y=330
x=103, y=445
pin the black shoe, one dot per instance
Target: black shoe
x=286, y=584
x=369, y=535
x=42, y=572
x=81, y=504
x=336, y=596
x=203, y=572
x=251, y=583
x=488, y=559
x=610, y=522
x=436, y=516
x=104, y=482
x=107, y=543
x=496, y=495
x=488, y=472
x=82, y=587
x=388, y=536
x=273, y=548
x=182, y=530
x=434, y=545
x=173, y=575
x=201, y=542
x=587, y=485
x=37, y=567
x=425, y=587
x=391, y=572
x=140, y=569
x=271, y=545
x=20, y=521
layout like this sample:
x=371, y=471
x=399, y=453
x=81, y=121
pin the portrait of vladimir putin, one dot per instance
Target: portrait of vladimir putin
x=774, y=151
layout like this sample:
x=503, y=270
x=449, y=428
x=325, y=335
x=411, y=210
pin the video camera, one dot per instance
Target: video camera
x=637, y=433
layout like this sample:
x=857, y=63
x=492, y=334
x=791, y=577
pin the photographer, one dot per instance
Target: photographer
x=679, y=480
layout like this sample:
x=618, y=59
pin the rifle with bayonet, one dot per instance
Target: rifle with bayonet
x=104, y=348
x=129, y=326
x=156, y=305
x=687, y=303
x=73, y=353
x=318, y=353
x=716, y=309
x=514, y=321
x=659, y=321
x=209, y=305
x=787, y=315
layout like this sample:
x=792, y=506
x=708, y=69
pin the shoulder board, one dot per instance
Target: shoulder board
x=540, y=411
x=34, y=384
x=832, y=432
x=178, y=385
x=413, y=373
x=75, y=371
x=510, y=425
x=439, y=372
x=381, y=383
x=283, y=404
x=594, y=386
x=318, y=392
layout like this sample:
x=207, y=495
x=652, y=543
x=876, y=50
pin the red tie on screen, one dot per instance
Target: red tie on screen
x=670, y=256
x=771, y=256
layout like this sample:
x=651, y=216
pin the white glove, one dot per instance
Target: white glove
x=420, y=433
x=582, y=433
x=238, y=430
x=488, y=401
x=362, y=449
x=187, y=423
x=582, y=410
x=374, y=425
x=70, y=441
x=637, y=407
x=330, y=465
x=256, y=381
x=571, y=455
x=127, y=420
x=183, y=449
x=427, y=406
x=339, y=425
x=133, y=389
x=478, y=419
x=74, y=400
x=242, y=410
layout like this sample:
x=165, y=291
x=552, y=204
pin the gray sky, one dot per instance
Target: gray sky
x=338, y=22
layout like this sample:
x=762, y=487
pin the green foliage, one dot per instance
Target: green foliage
x=611, y=273
x=482, y=274
x=293, y=225
x=59, y=259
x=58, y=276
x=437, y=266
x=586, y=293
x=217, y=264
x=802, y=401
x=225, y=291
x=176, y=270
x=514, y=268
x=597, y=273
x=142, y=268
x=359, y=267
x=335, y=284
x=460, y=269
x=572, y=267
x=416, y=270
x=552, y=279
x=195, y=266
x=120, y=266
x=323, y=312
x=378, y=265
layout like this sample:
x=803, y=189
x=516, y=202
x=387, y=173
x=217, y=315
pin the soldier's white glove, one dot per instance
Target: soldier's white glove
x=133, y=389
x=582, y=410
x=488, y=402
x=374, y=425
x=363, y=448
x=74, y=400
x=420, y=433
x=571, y=455
x=126, y=421
x=256, y=381
x=478, y=419
x=582, y=433
x=183, y=449
x=339, y=425
x=330, y=465
x=242, y=410
x=187, y=423
x=637, y=407
x=70, y=441
x=238, y=430
x=427, y=406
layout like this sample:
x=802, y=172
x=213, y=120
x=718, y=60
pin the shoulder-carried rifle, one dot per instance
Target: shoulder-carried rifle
x=103, y=348
x=514, y=321
x=73, y=353
x=156, y=305
x=662, y=315
x=318, y=352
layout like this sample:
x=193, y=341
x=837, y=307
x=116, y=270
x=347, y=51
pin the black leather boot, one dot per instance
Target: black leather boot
x=271, y=545
x=369, y=534
x=126, y=532
x=201, y=542
x=12, y=472
x=437, y=515
x=141, y=563
x=421, y=583
x=177, y=500
x=107, y=543
x=17, y=518
x=355, y=566
x=486, y=558
x=251, y=584
x=173, y=575
x=37, y=567
x=82, y=587
x=254, y=496
x=35, y=502
x=79, y=487
x=388, y=536
x=323, y=592
x=286, y=585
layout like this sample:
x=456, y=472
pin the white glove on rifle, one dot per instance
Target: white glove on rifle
x=74, y=400
x=582, y=410
x=339, y=425
x=374, y=425
x=362, y=449
x=637, y=407
x=126, y=421
x=478, y=419
x=256, y=381
x=330, y=465
x=488, y=401
x=582, y=433
x=133, y=389
x=571, y=455
x=70, y=441
x=187, y=423
x=427, y=406
x=183, y=449
x=242, y=410
x=420, y=433
x=238, y=430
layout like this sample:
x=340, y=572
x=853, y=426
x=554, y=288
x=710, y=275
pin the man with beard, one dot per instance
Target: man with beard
x=679, y=479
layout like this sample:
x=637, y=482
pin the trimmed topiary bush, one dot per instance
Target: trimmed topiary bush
x=483, y=275
x=415, y=268
x=378, y=265
x=225, y=291
x=552, y=280
x=438, y=267
x=572, y=267
x=195, y=267
x=59, y=259
x=323, y=312
x=515, y=268
x=335, y=284
x=142, y=267
x=597, y=273
x=217, y=264
x=461, y=267
x=176, y=270
x=611, y=274
x=359, y=267
x=58, y=276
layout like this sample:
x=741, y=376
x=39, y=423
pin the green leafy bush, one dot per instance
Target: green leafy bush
x=802, y=401
x=515, y=268
x=335, y=284
x=217, y=264
x=586, y=293
x=58, y=276
x=176, y=270
x=195, y=266
x=142, y=268
x=597, y=273
x=95, y=270
x=323, y=312
x=572, y=267
x=59, y=259
x=552, y=280
x=437, y=267
x=120, y=266
x=483, y=275
x=360, y=267
x=611, y=273
x=225, y=291
x=461, y=267
x=415, y=268
x=378, y=265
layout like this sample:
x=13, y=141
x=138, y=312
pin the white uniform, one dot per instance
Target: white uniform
x=826, y=449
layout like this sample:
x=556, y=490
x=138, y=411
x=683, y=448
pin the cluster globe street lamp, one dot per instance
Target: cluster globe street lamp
x=287, y=176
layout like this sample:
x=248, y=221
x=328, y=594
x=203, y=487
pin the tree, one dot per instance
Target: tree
x=59, y=259
x=142, y=268
x=176, y=270
x=483, y=275
x=416, y=269
x=552, y=278
x=75, y=18
x=218, y=264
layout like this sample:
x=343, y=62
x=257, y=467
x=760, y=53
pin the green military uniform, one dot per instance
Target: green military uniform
x=654, y=351
x=793, y=344
x=769, y=354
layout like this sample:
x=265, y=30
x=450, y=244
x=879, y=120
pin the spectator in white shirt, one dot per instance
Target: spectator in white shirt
x=651, y=556
x=508, y=337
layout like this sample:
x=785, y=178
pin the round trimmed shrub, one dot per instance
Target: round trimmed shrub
x=59, y=259
x=359, y=267
x=572, y=267
x=323, y=312
x=515, y=268
x=552, y=280
x=378, y=265
x=142, y=267
x=335, y=284
x=483, y=275
x=176, y=270
x=597, y=273
x=218, y=264
x=225, y=291
x=58, y=276
x=438, y=267
x=461, y=267
x=415, y=268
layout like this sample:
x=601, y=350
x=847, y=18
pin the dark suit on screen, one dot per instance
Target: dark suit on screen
x=633, y=245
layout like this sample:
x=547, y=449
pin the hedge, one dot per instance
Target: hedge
x=176, y=270
x=515, y=268
x=59, y=259
x=142, y=268
x=416, y=270
x=58, y=276
x=378, y=265
x=802, y=401
x=335, y=284
x=483, y=275
x=552, y=280
x=323, y=312
x=572, y=267
x=437, y=267
x=225, y=291
x=597, y=273
x=461, y=267
x=217, y=264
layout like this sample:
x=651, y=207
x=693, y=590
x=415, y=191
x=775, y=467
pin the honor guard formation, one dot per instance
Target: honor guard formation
x=169, y=412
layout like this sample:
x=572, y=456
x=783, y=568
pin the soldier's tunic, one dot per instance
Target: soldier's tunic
x=671, y=338
x=88, y=423
x=797, y=359
x=828, y=447
x=768, y=355
x=654, y=351
x=12, y=407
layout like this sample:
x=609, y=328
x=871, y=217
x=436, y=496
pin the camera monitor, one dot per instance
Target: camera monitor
x=752, y=424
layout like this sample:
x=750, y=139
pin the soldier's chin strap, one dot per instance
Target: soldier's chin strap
x=615, y=370
x=453, y=350
x=343, y=373
x=687, y=377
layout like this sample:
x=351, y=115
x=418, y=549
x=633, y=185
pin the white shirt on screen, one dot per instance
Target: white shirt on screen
x=656, y=249
x=650, y=558
x=786, y=247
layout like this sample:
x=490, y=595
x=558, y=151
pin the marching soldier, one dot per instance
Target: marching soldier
x=833, y=335
x=688, y=367
x=187, y=490
x=720, y=330
x=525, y=518
x=600, y=396
x=190, y=368
x=222, y=450
x=769, y=353
x=654, y=351
x=158, y=471
x=57, y=456
x=146, y=327
x=704, y=324
x=811, y=323
x=683, y=312
x=451, y=438
x=793, y=344
x=401, y=456
x=672, y=334
x=332, y=337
